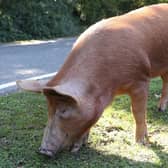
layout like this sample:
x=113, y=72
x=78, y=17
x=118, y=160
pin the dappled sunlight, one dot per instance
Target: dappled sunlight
x=134, y=152
x=160, y=137
x=114, y=135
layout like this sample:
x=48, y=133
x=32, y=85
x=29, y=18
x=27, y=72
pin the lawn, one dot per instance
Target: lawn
x=111, y=142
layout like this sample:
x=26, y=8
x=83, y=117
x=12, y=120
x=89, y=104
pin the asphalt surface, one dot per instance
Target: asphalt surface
x=21, y=61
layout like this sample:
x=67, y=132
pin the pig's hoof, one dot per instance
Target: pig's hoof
x=46, y=152
x=162, y=106
x=145, y=141
x=160, y=109
x=75, y=148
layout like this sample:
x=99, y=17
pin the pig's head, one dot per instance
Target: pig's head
x=67, y=122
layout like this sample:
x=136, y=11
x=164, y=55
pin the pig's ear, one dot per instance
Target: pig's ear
x=31, y=85
x=63, y=91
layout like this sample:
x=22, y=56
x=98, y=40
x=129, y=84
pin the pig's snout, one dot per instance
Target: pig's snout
x=46, y=152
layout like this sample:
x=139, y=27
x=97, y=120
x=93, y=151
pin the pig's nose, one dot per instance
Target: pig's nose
x=46, y=152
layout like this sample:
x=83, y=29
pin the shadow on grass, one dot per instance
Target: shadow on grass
x=89, y=157
x=158, y=149
x=26, y=156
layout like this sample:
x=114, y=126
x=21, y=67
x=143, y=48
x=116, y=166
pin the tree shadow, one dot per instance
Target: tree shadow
x=163, y=156
x=90, y=157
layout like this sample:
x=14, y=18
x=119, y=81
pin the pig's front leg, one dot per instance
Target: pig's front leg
x=82, y=141
x=139, y=103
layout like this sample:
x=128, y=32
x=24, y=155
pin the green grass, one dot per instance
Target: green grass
x=111, y=143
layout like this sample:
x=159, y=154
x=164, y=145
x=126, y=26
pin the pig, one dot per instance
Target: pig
x=115, y=56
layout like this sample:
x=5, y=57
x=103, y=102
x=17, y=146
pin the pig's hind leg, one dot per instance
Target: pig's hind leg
x=164, y=97
x=139, y=95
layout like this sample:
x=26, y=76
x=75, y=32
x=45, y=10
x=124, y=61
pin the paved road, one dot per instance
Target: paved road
x=20, y=61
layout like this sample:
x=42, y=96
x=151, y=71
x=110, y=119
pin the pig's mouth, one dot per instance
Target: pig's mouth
x=47, y=152
x=67, y=144
x=52, y=152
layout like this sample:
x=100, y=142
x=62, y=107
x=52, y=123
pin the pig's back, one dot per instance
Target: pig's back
x=131, y=46
x=118, y=39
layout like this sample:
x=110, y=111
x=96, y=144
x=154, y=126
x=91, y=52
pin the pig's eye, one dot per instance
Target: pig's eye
x=64, y=114
x=63, y=111
x=61, y=114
